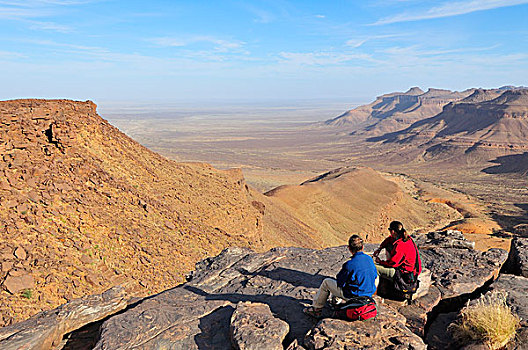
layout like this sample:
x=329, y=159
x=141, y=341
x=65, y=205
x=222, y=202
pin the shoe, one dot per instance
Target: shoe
x=313, y=312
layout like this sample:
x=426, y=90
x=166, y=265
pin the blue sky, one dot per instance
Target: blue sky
x=256, y=50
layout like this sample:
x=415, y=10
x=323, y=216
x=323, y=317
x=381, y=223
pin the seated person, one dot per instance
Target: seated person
x=402, y=253
x=358, y=277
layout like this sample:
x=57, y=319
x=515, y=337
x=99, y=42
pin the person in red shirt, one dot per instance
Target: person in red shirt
x=401, y=253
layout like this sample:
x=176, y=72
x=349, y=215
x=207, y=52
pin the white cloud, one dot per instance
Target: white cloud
x=9, y=54
x=321, y=58
x=355, y=43
x=51, y=26
x=320, y=16
x=219, y=45
x=449, y=9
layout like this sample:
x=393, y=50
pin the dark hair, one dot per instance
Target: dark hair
x=355, y=243
x=397, y=227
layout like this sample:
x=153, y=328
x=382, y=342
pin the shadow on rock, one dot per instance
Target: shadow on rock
x=294, y=277
x=284, y=307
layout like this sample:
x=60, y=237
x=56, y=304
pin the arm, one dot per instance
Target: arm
x=386, y=242
x=396, y=259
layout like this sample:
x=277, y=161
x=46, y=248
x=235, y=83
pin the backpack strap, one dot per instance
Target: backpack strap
x=416, y=264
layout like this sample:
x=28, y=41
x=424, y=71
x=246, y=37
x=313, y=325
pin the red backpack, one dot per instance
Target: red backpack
x=357, y=308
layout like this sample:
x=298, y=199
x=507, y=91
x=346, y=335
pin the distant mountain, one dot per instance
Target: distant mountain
x=396, y=111
x=493, y=122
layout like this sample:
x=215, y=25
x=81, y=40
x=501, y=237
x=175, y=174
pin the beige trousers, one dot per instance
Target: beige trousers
x=329, y=286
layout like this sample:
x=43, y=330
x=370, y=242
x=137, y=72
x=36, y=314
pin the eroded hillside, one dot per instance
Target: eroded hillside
x=358, y=200
x=85, y=207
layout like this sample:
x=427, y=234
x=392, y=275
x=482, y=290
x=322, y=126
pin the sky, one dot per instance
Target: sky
x=203, y=51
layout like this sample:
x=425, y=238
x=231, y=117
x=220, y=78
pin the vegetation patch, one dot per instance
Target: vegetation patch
x=490, y=320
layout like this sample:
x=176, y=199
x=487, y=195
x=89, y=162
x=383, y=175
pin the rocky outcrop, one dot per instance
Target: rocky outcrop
x=253, y=327
x=45, y=330
x=514, y=288
x=518, y=259
x=199, y=313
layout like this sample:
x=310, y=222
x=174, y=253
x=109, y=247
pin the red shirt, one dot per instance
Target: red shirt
x=404, y=255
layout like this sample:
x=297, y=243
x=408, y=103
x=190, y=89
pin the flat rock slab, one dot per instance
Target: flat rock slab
x=518, y=259
x=456, y=271
x=174, y=319
x=253, y=327
x=46, y=329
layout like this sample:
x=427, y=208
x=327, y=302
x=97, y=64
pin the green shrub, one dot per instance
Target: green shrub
x=490, y=321
x=27, y=293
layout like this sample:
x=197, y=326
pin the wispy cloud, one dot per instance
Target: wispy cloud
x=51, y=26
x=219, y=45
x=10, y=55
x=449, y=9
x=357, y=42
x=322, y=58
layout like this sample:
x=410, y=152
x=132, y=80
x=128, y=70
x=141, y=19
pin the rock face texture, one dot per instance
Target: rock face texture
x=200, y=314
x=518, y=259
x=397, y=110
x=387, y=331
x=45, y=330
x=253, y=327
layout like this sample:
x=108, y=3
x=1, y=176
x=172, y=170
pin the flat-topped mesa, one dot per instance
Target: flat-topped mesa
x=395, y=111
x=485, y=125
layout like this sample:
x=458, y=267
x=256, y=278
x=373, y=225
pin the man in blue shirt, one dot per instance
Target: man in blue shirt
x=358, y=277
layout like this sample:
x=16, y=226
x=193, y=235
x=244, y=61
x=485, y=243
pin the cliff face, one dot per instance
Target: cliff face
x=395, y=111
x=85, y=207
x=492, y=122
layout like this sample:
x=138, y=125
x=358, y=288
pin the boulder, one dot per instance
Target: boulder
x=15, y=284
x=177, y=319
x=46, y=329
x=20, y=253
x=253, y=327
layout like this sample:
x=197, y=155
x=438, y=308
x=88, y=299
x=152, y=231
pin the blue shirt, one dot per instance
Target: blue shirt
x=358, y=276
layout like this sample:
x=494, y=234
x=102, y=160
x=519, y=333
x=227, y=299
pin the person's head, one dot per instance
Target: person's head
x=397, y=231
x=355, y=244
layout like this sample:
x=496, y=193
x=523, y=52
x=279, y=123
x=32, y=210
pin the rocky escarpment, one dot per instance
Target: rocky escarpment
x=396, y=111
x=485, y=122
x=84, y=207
x=212, y=309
